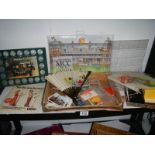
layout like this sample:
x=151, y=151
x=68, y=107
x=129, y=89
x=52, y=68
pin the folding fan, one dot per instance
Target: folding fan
x=69, y=82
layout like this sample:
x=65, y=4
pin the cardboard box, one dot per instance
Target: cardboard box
x=98, y=129
x=116, y=104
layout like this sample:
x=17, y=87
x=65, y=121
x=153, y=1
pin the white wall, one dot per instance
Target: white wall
x=33, y=33
x=23, y=33
x=122, y=29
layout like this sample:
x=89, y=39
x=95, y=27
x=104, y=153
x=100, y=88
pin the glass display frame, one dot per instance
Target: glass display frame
x=23, y=66
x=80, y=52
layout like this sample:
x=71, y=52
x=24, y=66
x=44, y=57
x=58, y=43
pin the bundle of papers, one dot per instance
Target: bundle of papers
x=139, y=87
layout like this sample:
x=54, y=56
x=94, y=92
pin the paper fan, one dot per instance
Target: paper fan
x=69, y=82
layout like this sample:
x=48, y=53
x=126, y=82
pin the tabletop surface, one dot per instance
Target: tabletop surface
x=39, y=110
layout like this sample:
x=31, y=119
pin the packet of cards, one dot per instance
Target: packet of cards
x=59, y=101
